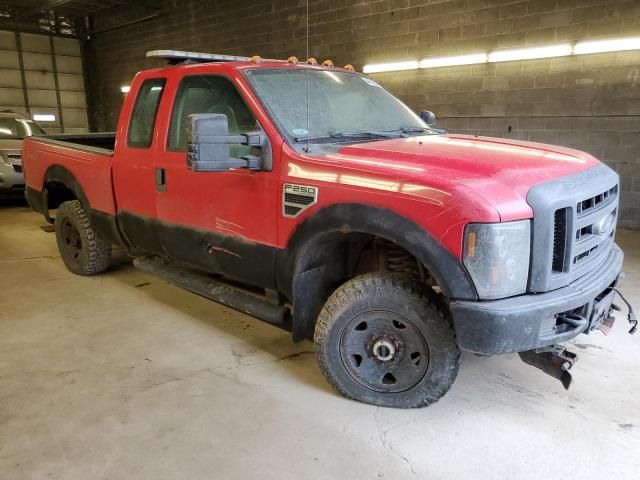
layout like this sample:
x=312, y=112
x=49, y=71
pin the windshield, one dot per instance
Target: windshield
x=340, y=104
x=18, y=128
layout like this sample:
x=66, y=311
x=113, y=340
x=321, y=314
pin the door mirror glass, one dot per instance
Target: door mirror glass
x=428, y=117
x=208, y=142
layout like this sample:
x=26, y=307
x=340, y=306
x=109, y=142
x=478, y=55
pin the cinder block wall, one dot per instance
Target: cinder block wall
x=589, y=102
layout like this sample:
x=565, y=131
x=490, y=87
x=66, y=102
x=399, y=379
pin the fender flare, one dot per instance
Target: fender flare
x=104, y=223
x=60, y=174
x=296, y=270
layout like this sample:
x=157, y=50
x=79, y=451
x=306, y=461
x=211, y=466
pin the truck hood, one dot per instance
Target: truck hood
x=501, y=171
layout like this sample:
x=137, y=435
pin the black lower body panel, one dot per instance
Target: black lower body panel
x=242, y=260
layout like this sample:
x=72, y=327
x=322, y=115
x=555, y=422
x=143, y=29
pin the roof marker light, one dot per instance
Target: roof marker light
x=548, y=51
x=470, y=59
x=391, y=67
x=608, y=45
x=125, y=88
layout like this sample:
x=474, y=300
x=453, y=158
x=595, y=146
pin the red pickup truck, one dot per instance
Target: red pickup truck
x=310, y=197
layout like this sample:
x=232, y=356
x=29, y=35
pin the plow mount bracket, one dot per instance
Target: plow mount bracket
x=554, y=360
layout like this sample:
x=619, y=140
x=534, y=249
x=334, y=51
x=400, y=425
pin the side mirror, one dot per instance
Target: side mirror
x=208, y=143
x=428, y=117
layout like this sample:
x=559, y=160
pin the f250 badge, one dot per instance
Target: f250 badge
x=297, y=198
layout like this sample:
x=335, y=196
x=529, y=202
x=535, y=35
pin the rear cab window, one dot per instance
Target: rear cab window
x=145, y=109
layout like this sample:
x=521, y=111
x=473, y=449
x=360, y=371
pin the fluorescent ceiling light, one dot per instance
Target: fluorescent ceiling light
x=125, y=88
x=610, y=45
x=44, y=117
x=391, y=67
x=470, y=59
x=530, y=53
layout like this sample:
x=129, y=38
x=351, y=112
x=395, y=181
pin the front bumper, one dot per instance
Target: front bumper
x=11, y=181
x=532, y=321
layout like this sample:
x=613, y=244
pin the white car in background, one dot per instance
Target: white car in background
x=13, y=128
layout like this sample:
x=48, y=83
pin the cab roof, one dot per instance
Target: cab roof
x=179, y=58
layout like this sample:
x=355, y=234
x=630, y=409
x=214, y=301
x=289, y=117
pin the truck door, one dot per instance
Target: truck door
x=223, y=222
x=134, y=176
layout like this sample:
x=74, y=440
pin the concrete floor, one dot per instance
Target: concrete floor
x=122, y=376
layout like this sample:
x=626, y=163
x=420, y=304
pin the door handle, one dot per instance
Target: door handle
x=161, y=180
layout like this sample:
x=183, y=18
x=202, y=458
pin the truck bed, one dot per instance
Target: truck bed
x=87, y=158
x=103, y=143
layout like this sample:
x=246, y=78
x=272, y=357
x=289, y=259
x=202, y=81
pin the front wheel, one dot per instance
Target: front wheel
x=83, y=250
x=386, y=340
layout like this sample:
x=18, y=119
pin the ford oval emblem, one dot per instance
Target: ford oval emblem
x=602, y=226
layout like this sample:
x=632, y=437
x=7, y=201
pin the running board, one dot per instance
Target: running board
x=228, y=295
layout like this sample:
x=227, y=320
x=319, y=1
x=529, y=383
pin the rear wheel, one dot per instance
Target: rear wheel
x=83, y=250
x=384, y=339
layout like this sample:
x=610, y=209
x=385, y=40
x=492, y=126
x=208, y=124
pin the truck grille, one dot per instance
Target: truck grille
x=585, y=206
x=559, y=239
x=574, y=226
x=595, y=224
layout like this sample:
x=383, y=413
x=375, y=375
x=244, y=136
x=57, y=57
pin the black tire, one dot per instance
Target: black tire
x=83, y=250
x=377, y=315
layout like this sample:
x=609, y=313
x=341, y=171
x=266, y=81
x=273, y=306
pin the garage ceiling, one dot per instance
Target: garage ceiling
x=73, y=17
x=26, y=9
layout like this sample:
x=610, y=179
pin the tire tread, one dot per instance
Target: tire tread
x=358, y=288
x=98, y=249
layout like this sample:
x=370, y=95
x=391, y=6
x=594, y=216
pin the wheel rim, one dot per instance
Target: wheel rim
x=384, y=352
x=71, y=240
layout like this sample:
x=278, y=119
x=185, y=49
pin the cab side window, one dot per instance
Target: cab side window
x=207, y=94
x=143, y=117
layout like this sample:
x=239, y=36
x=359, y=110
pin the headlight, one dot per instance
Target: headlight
x=497, y=257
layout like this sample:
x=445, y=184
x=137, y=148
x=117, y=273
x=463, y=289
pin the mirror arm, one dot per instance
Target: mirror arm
x=222, y=139
x=251, y=162
x=254, y=139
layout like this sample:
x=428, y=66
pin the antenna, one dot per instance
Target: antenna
x=307, y=72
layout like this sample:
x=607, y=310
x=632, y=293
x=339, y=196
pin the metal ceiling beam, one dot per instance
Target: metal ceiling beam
x=90, y=3
x=137, y=3
x=48, y=5
x=146, y=18
x=81, y=7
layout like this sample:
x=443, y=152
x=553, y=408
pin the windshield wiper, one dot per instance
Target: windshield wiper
x=349, y=136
